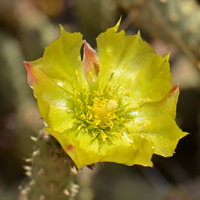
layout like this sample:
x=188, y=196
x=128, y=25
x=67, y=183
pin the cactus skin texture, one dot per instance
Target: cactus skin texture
x=51, y=175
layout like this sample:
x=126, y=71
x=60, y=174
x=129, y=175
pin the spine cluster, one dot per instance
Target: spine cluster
x=50, y=175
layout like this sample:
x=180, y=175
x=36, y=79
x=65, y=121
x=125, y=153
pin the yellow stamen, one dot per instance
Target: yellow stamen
x=99, y=112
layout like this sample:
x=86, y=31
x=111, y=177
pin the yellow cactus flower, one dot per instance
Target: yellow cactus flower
x=116, y=105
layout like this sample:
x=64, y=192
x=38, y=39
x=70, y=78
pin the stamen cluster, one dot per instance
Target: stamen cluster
x=101, y=113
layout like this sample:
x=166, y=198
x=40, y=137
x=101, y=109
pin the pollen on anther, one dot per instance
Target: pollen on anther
x=112, y=105
x=79, y=128
x=83, y=116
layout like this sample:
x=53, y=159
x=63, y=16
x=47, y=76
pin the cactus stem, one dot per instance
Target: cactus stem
x=47, y=175
x=34, y=139
x=52, y=186
x=66, y=192
x=36, y=153
x=64, y=161
x=62, y=169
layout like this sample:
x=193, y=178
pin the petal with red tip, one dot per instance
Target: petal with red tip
x=31, y=77
x=90, y=61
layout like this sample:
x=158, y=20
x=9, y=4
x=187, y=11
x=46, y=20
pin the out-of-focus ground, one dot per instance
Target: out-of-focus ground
x=26, y=28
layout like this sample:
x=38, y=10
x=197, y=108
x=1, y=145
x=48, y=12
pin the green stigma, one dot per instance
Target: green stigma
x=100, y=113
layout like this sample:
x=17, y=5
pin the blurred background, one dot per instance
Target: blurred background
x=27, y=27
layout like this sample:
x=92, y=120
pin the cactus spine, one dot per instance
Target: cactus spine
x=51, y=175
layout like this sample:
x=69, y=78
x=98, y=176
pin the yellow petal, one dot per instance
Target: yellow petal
x=62, y=59
x=110, y=46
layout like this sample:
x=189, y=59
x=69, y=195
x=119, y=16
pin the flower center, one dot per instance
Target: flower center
x=104, y=113
x=101, y=113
